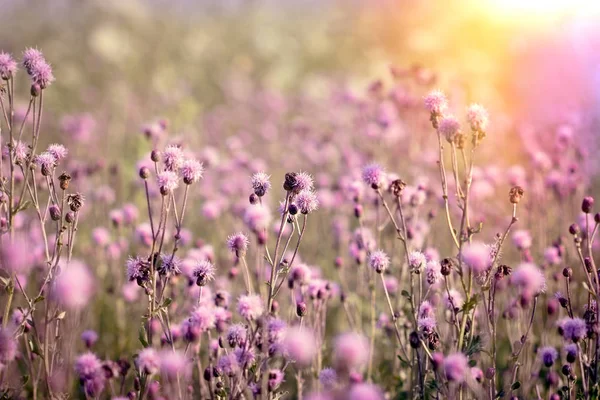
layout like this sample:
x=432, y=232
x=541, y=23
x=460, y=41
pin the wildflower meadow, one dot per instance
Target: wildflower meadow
x=339, y=229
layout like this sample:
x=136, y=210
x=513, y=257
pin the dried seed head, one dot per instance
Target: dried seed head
x=397, y=186
x=290, y=183
x=516, y=194
x=75, y=201
x=64, y=180
x=446, y=266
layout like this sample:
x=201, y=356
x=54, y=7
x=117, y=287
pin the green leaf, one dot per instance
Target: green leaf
x=143, y=336
x=469, y=305
x=61, y=315
x=404, y=293
x=38, y=299
x=167, y=302
x=515, y=385
x=403, y=361
x=500, y=394
x=474, y=346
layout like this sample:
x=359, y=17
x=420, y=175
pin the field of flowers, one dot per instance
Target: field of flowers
x=272, y=215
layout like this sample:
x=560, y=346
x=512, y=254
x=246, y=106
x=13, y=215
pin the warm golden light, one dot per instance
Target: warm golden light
x=543, y=8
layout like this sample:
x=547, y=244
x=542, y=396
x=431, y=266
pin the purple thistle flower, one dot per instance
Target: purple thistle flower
x=204, y=272
x=571, y=352
x=435, y=102
x=426, y=310
x=276, y=330
x=373, y=175
x=228, y=364
x=573, y=329
x=173, y=157
x=74, y=286
x=328, y=378
x=236, y=335
x=522, y=239
x=548, y=355
x=238, y=244
x=8, y=66
x=250, y=306
x=148, y=361
x=89, y=337
x=20, y=151
x=168, y=181
x=203, y=318
x=426, y=325
x=136, y=268
x=307, y=201
x=478, y=117
x=46, y=162
x=58, y=151
x=449, y=127
x=245, y=357
x=170, y=265
x=379, y=261
x=260, y=183
x=453, y=300
x=191, y=171
x=257, y=217
x=455, y=367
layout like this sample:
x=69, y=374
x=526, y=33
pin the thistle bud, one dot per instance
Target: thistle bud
x=144, y=172
x=301, y=309
x=55, y=213
x=64, y=180
x=155, y=156
x=587, y=204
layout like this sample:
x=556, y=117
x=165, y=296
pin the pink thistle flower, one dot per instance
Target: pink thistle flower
x=453, y=299
x=20, y=151
x=8, y=66
x=15, y=256
x=306, y=201
x=522, y=239
x=433, y=272
x=191, y=171
x=173, y=364
x=203, y=318
x=275, y=379
x=238, y=244
x=8, y=346
x=46, y=162
x=455, y=367
x=299, y=344
x=365, y=391
x=477, y=256
x=130, y=213
x=257, y=217
x=426, y=325
x=379, y=261
x=552, y=255
x=31, y=57
x=58, y=151
x=529, y=278
x=245, y=357
x=74, y=286
x=426, y=310
x=373, y=175
x=350, y=351
x=204, y=272
x=304, y=181
x=436, y=102
x=101, y=236
x=173, y=157
x=416, y=260
x=449, y=127
x=170, y=265
x=478, y=117
x=300, y=273
x=260, y=183
x=87, y=365
x=168, y=181
x=250, y=306
x=148, y=361
x=41, y=74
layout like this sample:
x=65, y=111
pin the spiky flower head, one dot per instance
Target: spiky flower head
x=238, y=244
x=261, y=183
x=373, y=175
x=173, y=157
x=8, y=66
x=58, y=151
x=306, y=201
x=449, y=127
x=168, y=181
x=250, y=306
x=170, y=265
x=478, y=117
x=204, y=272
x=436, y=102
x=379, y=261
x=191, y=171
